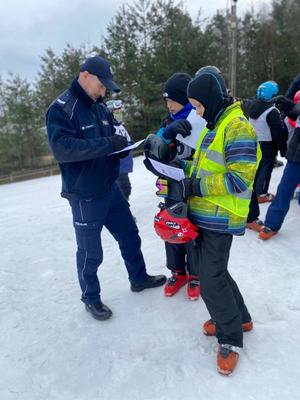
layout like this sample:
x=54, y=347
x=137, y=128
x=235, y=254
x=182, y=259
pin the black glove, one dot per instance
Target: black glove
x=118, y=142
x=123, y=154
x=150, y=168
x=190, y=187
x=295, y=112
x=283, y=104
x=181, y=126
x=177, y=163
x=182, y=190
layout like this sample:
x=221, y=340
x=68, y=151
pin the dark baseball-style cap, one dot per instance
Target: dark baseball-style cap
x=101, y=68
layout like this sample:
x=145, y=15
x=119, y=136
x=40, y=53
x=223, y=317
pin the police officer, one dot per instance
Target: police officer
x=81, y=137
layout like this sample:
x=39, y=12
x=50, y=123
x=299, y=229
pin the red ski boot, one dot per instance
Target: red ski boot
x=174, y=283
x=193, y=287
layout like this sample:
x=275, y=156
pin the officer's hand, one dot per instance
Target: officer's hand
x=118, y=142
x=190, y=187
x=123, y=154
x=181, y=126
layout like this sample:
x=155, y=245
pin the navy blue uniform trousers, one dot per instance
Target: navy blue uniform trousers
x=281, y=203
x=89, y=216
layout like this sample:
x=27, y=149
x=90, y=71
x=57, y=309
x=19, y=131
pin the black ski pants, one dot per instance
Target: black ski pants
x=182, y=258
x=253, y=208
x=265, y=168
x=219, y=291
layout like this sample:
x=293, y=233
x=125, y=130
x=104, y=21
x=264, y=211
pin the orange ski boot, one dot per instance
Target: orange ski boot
x=227, y=358
x=265, y=198
x=255, y=225
x=266, y=233
x=209, y=327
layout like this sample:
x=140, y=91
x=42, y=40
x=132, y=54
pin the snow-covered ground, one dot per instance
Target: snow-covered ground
x=152, y=348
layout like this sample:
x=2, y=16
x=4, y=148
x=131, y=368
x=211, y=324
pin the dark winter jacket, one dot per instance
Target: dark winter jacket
x=279, y=133
x=293, y=88
x=283, y=104
x=181, y=150
x=79, y=132
x=293, y=151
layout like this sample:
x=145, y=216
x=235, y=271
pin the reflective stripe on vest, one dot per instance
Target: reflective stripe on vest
x=213, y=162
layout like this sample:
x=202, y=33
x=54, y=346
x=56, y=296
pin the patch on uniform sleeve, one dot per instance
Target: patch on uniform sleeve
x=83, y=128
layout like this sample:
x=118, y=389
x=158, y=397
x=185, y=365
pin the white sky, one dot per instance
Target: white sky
x=28, y=27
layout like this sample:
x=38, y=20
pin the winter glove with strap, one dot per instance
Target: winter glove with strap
x=190, y=187
x=182, y=190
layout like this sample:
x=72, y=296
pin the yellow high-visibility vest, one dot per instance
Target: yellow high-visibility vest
x=213, y=162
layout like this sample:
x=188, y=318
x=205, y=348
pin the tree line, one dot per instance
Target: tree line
x=146, y=43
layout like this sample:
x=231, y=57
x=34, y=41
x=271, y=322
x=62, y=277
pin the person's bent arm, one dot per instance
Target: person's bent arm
x=65, y=144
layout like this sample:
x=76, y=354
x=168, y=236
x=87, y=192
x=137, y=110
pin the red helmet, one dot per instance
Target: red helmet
x=297, y=97
x=173, y=226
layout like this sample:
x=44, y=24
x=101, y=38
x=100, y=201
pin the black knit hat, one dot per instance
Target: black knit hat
x=175, y=88
x=209, y=89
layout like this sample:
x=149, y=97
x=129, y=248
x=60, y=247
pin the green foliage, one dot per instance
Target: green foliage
x=55, y=74
x=146, y=43
x=21, y=140
x=285, y=18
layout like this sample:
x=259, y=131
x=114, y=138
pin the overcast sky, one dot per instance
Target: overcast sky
x=27, y=28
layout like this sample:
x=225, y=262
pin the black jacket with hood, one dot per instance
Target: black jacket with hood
x=274, y=119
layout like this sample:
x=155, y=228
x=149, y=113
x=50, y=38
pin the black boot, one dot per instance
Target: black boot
x=149, y=282
x=99, y=311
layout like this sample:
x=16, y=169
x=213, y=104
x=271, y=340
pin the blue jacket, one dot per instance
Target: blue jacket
x=79, y=132
x=126, y=163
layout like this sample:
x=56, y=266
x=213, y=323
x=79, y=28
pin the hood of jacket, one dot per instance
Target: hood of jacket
x=210, y=90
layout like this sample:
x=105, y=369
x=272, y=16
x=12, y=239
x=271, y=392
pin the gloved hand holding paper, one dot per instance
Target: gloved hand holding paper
x=198, y=124
x=167, y=171
x=130, y=147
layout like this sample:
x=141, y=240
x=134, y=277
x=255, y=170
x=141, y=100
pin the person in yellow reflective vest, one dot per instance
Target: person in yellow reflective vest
x=218, y=188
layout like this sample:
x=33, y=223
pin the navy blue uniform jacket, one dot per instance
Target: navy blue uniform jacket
x=79, y=132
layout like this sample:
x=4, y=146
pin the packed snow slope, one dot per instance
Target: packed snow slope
x=153, y=347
